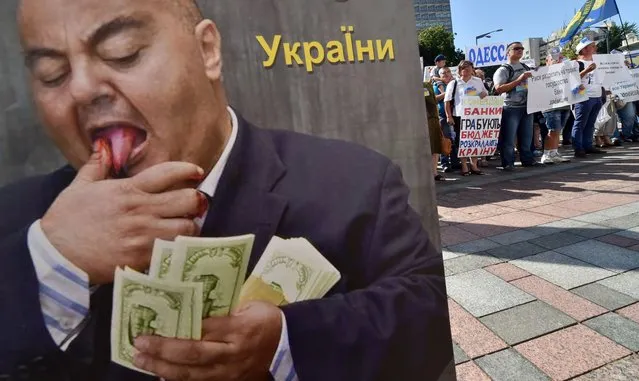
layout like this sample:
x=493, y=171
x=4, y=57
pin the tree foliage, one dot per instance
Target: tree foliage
x=437, y=40
x=616, y=36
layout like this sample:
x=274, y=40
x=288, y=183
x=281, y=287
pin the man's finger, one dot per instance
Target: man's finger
x=219, y=328
x=164, y=176
x=98, y=166
x=169, y=228
x=182, y=352
x=178, y=203
x=174, y=372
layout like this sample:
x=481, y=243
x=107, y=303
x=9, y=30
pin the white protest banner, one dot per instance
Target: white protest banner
x=531, y=63
x=487, y=55
x=635, y=74
x=480, y=124
x=555, y=86
x=611, y=69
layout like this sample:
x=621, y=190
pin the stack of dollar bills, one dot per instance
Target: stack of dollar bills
x=193, y=278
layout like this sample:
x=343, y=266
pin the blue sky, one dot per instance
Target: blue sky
x=520, y=19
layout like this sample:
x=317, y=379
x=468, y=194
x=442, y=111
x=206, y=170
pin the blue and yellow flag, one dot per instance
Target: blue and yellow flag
x=591, y=13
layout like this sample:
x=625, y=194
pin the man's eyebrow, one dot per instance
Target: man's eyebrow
x=115, y=26
x=32, y=55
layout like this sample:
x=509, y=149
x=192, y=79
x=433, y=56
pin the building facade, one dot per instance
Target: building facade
x=432, y=13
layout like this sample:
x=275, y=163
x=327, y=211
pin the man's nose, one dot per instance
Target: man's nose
x=89, y=87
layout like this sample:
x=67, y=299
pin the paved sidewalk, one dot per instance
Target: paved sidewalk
x=542, y=270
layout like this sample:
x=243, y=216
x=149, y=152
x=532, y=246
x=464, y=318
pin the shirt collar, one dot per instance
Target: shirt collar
x=209, y=185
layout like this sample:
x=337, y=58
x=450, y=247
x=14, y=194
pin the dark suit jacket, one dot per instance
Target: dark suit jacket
x=385, y=320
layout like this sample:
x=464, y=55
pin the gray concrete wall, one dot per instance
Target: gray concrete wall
x=24, y=148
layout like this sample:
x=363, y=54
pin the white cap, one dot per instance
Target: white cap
x=583, y=43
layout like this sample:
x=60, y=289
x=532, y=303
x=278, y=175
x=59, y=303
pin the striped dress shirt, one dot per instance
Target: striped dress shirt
x=65, y=292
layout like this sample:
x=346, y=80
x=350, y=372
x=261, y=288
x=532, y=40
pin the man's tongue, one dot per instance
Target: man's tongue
x=122, y=141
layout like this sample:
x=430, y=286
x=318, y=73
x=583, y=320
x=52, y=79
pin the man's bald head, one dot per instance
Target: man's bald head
x=189, y=11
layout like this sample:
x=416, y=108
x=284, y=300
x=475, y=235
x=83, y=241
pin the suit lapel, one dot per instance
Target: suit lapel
x=244, y=202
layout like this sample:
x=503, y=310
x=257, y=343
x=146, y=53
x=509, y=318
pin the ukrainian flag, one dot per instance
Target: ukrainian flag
x=591, y=13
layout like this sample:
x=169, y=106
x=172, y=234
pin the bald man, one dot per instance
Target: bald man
x=130, y=92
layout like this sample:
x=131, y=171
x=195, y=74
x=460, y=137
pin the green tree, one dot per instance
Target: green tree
x=437, y=40
x=616, y=36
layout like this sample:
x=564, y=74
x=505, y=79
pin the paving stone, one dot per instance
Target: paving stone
x=601, y=254
x=508, y=365
x=515, y=251
x=452, y=235
x=459, y=354
x=557, y=240
x=593, y=230
x=526, y=321
x=554, y=210
x=562, y=270
x=631, y=312
x=482, y=293
x=573, y=305
x=571, y=351
x=507, y=272
x=626, y=222
x=620, y=370
x=470, y=335
x=596, y=217
x=468, y=262
x=556, y=227
x=623, y=331
x=469, y=371
x=604, y=296
x=627, y=283
x=618, y=240
x=474, y=246
x=516, y=236
x=447, y=254
x=630, y=233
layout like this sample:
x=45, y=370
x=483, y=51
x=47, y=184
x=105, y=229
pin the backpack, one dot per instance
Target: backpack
x=511, y=71
x=454, y=93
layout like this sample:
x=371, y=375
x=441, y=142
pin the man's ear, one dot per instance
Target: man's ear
x=210, y=44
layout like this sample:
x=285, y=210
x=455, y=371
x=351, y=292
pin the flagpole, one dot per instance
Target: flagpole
x=625, y=35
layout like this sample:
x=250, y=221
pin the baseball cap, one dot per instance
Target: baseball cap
x=440, y=57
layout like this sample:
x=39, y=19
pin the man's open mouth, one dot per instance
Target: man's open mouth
x=125, y=142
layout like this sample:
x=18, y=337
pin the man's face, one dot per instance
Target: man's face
x=441, y=63
x=516, y=51
x=447, y=76
x=128, y=70
x=589, y=50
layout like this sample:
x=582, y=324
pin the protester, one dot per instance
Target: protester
x=132, y=94
x=465, y=85
x=434, y=129
x=586, y=112
x=488, y=83
x=555, y=120
x=628, y=116
x=511, y=81
x=450, y=162
x=440, y=62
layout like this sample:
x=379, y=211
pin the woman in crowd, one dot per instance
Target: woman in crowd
x=466, y=85
x=434, y=129
x=449, y=162
x=555, y=120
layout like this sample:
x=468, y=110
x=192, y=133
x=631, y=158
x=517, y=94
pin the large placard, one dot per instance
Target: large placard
x=555, y=86
x=480, y=125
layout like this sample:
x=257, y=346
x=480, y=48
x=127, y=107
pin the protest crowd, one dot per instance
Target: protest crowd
x=582, y=106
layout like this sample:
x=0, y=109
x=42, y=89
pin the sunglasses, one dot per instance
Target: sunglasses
x=518, y=48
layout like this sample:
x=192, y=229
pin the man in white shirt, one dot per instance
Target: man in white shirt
x=586, y=112
x=132, y=95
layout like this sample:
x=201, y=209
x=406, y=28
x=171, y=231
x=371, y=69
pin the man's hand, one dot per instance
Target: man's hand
x=99, y=224
x=591, y=67
x=483, y=95
x=524, y=76
x=451, y=121
x=233, y=348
